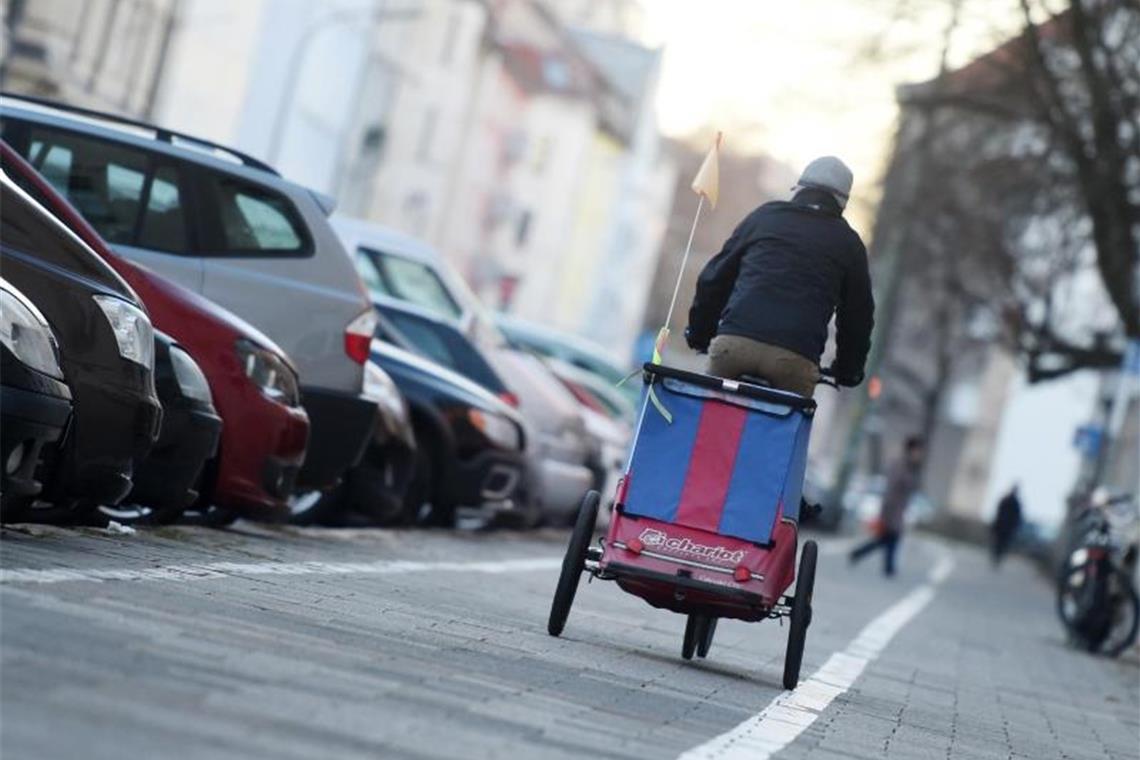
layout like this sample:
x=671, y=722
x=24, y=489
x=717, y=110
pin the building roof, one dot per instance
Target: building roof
x=547, y=70
x=1000, y=72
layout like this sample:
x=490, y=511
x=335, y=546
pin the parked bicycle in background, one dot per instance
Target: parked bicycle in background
x=1096, y=593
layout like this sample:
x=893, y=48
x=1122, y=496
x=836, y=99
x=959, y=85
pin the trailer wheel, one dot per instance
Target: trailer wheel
x=801, y=615
x=692, y=633
x=705, y=639
x=573, y=563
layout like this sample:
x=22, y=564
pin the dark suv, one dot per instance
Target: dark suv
x=106, y=346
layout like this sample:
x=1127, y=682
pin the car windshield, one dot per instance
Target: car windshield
x=444, y=345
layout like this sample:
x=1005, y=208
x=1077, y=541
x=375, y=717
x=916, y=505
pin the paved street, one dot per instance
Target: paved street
x=297, y=643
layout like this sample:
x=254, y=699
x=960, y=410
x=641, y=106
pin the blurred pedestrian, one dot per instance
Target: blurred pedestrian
x=1006, y=523
x=902, y=482
x=763, y=304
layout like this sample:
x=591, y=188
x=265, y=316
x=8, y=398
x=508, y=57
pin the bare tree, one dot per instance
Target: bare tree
x=1051, y=128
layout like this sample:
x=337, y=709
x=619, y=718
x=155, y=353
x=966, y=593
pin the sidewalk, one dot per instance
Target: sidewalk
x=983, y=673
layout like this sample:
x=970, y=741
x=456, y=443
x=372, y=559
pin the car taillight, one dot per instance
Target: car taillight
x=510, y=399
x=358, y=336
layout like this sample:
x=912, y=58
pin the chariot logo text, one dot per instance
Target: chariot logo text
x=660, y=540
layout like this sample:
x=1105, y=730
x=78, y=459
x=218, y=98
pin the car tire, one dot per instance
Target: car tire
x=316, y=507
x=135, y=514
x=423, y=490
x=801, y=615
x=217, y=517
x=377, y=486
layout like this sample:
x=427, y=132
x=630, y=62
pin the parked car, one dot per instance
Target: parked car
x=574, y=349
x=374, y=490
x=559, y=450
x=253, y=383
x=864, y=499
x=35, y=402
x=609, y=419
x=595, y=392
x=563, y=451
x=436, y=314
x=106, y=351
x=227, y=227
x=470, y=445
x=166, y=482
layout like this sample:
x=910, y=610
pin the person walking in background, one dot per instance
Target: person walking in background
x=902, y=482
x=763, y=304
x=1006, y=523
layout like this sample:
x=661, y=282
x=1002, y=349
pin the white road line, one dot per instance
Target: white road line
x=788, y=715
x=211, y=570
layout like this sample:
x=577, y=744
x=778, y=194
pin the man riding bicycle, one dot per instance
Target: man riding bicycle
x=763, y=304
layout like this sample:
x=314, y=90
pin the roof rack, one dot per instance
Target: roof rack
x=160, y=133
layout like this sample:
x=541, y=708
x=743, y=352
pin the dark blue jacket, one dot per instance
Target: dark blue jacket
x=786, y=269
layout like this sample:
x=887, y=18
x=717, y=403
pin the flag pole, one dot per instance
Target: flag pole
x=684, y=264
x=662, y=336
x=706, y=185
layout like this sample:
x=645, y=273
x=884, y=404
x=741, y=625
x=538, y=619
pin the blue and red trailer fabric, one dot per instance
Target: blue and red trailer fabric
x=727, y=463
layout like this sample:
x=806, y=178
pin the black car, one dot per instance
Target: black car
x=438, y=338
x=106, y=350
x=166, y=482
x=374, y=489
x=470, y=445
x=35, y=403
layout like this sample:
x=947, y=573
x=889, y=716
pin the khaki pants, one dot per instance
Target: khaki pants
x=733, y=356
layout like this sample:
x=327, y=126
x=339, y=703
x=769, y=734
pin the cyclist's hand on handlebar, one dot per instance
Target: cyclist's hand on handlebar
x=698, y=343
x=843, y=378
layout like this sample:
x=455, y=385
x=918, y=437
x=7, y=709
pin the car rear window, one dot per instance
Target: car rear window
x=406, y=280
x=126, y=195
x=447, y=346
x=252, y=219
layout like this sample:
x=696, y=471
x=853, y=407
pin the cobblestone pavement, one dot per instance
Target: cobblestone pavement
x=297, y=643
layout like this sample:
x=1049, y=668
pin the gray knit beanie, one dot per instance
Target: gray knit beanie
x=830, y=174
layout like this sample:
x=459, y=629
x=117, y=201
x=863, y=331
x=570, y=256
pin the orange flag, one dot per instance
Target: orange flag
x=707, y=181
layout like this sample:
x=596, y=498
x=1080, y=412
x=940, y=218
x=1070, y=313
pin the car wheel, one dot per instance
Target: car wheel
x=316, y=507
x=209, y=516
x=423, y=502
x=373, y=487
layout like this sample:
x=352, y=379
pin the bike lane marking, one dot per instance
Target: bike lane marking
x=212, y=570
x=789, y=714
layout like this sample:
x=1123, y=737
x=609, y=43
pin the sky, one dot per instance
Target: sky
x=800, y=79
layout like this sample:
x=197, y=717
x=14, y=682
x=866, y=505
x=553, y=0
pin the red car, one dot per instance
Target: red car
x=253, y=382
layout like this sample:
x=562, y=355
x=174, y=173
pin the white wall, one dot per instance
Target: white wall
x=203, y=89
x=1035, y=444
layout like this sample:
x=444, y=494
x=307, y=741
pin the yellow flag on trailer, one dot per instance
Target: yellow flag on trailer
x=707, y=181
